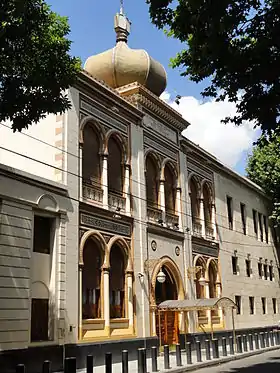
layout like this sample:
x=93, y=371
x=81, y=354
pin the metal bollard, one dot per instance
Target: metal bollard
x=70, y=365
x=251, y=346
x=178, y=355
x=215, y=348
x=267, y=339
x=20, y=368
x=271, y=338
x=257, y=343
x=245, y=344
x=141, y=357
x=198, y=351
x=154, y=352
x=207, y=349
x=231, y=345
x=224, y=346
x=46, y=367
x=189, y=352
x=275, y=337
x=145, y=360
x=124, y=361
x=89, y=364
x=166, y=357
x=262, y=340
x=239, y=344
x=108, y=362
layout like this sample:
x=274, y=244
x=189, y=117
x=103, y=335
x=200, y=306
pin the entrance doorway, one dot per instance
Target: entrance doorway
x=167, y=327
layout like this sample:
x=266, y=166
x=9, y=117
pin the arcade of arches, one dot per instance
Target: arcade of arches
x=211, y=289
x=105, y=168
x=105, y=282
x=163, y=192
x=167, y=325
x=202, y=207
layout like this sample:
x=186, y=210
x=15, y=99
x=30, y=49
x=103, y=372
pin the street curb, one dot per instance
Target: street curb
x=222, y=360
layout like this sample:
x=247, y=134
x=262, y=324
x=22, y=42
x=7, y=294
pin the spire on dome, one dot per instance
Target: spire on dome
x=122, y=25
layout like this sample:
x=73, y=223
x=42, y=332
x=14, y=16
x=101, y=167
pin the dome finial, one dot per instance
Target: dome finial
x=122, y=25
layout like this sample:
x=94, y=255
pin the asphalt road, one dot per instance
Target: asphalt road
x=268, y=362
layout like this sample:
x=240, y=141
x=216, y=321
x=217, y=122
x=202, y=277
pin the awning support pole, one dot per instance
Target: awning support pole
x=159, y=330
x=185, y=328
x=233, y=328
x=212, y=333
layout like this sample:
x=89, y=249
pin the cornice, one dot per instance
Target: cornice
x=215, y=165
x=139, y=96
x=98, y=88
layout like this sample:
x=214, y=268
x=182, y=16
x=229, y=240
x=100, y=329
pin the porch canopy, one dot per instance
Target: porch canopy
x=196, y=304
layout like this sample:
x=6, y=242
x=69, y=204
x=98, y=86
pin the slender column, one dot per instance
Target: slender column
x=207, y=295
x=105, y=179
x=153, y=316
x=162, y=198
x=127, y=188
x=106, y=299
x=80, y=302
x=201, y=216
x=178, y=206
x=130, y=299
x=81, y=171
x=213, y=219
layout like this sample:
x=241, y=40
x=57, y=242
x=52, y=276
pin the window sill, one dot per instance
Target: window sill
x=93, y=321
x=119, y=320
x=42, y=343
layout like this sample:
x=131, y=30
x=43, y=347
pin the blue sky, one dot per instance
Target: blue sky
x=92, y=32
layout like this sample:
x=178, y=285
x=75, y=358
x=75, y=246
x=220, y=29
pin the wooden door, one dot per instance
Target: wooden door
x=169, y=328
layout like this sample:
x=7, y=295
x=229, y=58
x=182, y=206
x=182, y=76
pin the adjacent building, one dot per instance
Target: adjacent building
x=135, y=215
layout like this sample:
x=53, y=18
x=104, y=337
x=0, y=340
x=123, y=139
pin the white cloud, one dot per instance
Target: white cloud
x=226, y=141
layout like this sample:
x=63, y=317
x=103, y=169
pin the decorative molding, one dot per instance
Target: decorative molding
x=160, y=128
x=199, y=170
x=101, y=116
x=105, y=225
x=153, y=245
x=139, y=96
x=205, y=250
x=159, y=148
x=177, y=250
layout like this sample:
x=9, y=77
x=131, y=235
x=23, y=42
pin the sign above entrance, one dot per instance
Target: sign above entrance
x=205, y=250
x=105, y=225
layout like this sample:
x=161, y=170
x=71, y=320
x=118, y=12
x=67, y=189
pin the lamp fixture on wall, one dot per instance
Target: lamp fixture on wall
x=192, y=271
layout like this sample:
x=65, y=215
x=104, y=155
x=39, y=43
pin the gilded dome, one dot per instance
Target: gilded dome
x=122, y=65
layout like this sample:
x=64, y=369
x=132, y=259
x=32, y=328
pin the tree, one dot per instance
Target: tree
x=35, y=66
x=234, y=43
x=264, y=169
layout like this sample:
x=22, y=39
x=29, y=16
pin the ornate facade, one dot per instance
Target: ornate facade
x=147, y=204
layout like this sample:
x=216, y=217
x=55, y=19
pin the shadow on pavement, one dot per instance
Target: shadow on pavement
x=269, y=367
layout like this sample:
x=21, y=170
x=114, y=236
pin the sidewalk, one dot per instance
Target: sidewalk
x=133, y=365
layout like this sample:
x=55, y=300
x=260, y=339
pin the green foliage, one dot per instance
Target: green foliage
x=234, y=43
x=264, y=169
x=35, y=65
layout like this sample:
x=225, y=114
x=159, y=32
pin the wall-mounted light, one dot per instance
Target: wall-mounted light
x=161, y=277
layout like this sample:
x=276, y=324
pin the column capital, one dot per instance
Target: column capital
x=106, y=269
x=104, y=154
x=129, y=272
x=162, y=180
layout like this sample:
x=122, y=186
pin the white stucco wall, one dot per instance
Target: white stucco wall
x=20, y=198
x=30, y=147
x=231, y=240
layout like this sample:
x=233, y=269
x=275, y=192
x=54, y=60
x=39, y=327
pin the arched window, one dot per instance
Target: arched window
x=91, y=279
x=151, y=182
x=169, y=189
x=212, y=274
x=91, y=157
x=207, y=205
x=194, y=200
x=115, y=167
x=117, y=282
